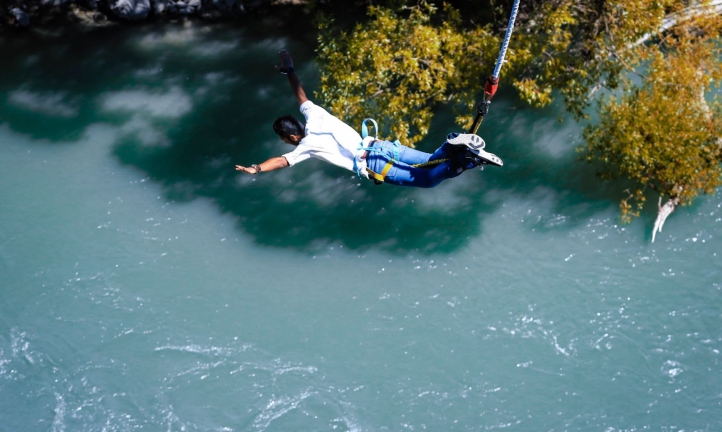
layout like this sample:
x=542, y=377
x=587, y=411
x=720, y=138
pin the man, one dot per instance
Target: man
x=327, y=138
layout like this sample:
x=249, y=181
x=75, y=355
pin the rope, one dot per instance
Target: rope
x=489, y=90
x=507, y=38
x=492, y=83
x=430, y=163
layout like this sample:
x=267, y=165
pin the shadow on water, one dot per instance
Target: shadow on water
x=189, y=102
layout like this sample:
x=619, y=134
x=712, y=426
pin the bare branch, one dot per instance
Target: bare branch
x=662, y=214
x=714, y=7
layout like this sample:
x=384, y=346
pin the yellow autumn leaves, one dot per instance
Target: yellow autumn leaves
x=650, y=64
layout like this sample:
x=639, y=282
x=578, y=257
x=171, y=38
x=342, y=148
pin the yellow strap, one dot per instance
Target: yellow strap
x=386, y=169
x=380, y=177
x=375, y=176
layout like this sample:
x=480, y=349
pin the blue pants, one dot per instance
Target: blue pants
x=403, y=174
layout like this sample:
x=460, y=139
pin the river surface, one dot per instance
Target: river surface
x=145, y=285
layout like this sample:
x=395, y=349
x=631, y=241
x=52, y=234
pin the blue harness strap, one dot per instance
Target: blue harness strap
x=364, y=134
x=377, y=177
x=365, y=130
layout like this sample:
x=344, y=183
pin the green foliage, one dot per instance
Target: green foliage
x=397, y=68
x=663, y=134
x=577, y=47
x=657, y=129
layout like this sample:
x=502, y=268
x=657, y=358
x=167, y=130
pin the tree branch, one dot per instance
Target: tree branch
x=714, y=7
x=664, y=212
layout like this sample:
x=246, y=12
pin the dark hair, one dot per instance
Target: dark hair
x=288, y=125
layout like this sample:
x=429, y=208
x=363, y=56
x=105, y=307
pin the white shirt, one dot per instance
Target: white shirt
x=329, y=139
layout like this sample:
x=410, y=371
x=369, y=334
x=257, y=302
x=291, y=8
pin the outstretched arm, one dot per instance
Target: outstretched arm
x=286, y=67
x=269, y=165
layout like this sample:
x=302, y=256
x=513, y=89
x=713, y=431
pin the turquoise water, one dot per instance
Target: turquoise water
x=146, y=285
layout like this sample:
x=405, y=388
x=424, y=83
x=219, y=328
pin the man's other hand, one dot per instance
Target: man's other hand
x=286, y=60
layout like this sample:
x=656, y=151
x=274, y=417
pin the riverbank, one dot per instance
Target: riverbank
x=98, y=13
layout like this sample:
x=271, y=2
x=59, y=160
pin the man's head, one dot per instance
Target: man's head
x=289, y=129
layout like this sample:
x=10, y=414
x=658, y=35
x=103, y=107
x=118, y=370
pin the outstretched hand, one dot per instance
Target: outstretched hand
x=247, y=170
x=286, y=60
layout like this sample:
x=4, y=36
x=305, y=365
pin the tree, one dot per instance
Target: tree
x=657, y=129
x=397, y=68
x=662, y=133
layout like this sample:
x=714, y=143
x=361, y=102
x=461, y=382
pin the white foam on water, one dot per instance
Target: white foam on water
x=672, y=368
x=147, y=105
x=212, y=82
x=171, y=419
x=198, y=349
x=275, y=368
x=21, y=346
x=277, y=407
x=170, y=37
x=557, y=138
x=201, y=367
x=317, y=187
x=194, y=38
x=326, y=192
x=532, y=328
x=448, y=197
x=49, y=103
x=59, y=418
x=145, y=131
x=3, y=363
x=276, y=44
x=220, y=78
x=214, y=48
x=150, y=71
x=266, y=92
x=173, y=103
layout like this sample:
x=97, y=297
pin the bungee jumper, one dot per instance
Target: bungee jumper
x=328, y=138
